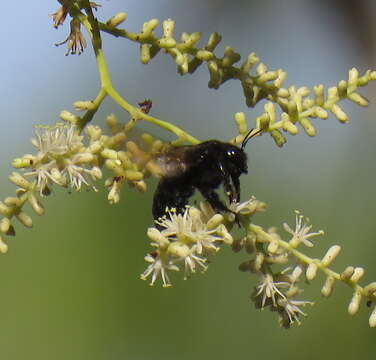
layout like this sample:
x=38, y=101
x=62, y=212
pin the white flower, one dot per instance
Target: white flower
x=301, y=233
x=190, y=228
x=270, y=290
x=62, y=159
x=289, y=311
x=57, y=140
x=175, y=224
x=247, y=207
x=158, y=267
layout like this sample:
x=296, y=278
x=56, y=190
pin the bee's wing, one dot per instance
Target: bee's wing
x=173, y=161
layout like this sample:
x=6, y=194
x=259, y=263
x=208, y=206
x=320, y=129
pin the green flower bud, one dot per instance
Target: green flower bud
x=204, y=55
x=358, y=99
x=145, y=53
x=166, y=43
x=347, y=273
x=354, y=303
x=328, y=287
x=241, y=122
x=69, y=117
x=261, y=69
x=20, y=181
x=149, y=26
x=5, y=225
x=308, y=127
x=353, y=80
x=116, y=20
x=5, y=210
x=168, y=28
x=24, y=219
x=133, y=175
x=311, y=271
x=357, y=275
x=36, y=205
x=84, y=105
x=339, y=113
x=213, y=41
x=321, y=113
x=319, y=95
x=25, y=161
x=372, y=318
x=278, y=137
x=3, y=246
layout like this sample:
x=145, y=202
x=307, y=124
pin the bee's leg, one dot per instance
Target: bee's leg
x=229, y=187
x=236, y=183
x=170, y=195
x=213, y=199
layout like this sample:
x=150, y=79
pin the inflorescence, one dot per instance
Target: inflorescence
x=73, y=155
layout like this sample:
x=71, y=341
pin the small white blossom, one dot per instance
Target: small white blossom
x=289, y=311
x=189, y=227
x=57, y=140
x=301, y=233
x=270, y=290
x=62, y=159
x=158, y=267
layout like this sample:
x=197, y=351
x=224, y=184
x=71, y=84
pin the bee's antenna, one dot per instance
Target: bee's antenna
x=249, y=136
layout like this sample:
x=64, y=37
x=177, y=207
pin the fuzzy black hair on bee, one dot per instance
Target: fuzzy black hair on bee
x=204, y=167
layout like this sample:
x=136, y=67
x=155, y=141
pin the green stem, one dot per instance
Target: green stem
x=107, y=88
x=84, y=120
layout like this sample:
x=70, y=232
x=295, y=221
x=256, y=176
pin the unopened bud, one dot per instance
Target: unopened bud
x=5, y=225
x=20, y=181
x=36, y=205
x=358, y=99
x=214, y=221
x=327, y=289
x=156, y=236
x=354, y=303
x=372, y=318
x=84, y=105
x=308, y=127
x=24, y=219
x=357, y=275
x=369, y=289
x=331, y=255
x=347, y=273
x=339, y=113
x=116, y=20
x=69, y=117
x=311, y=271
x=241, y=122
x=3, y=246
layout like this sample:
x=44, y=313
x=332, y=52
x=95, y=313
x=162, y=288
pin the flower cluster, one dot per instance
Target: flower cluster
x=286, y=107
x=73, y=156
x=62, y=159
x=277, y=290
x=184, y=241
x=67, y=158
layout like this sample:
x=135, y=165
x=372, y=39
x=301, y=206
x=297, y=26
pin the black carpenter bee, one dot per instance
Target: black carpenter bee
x=204, y=167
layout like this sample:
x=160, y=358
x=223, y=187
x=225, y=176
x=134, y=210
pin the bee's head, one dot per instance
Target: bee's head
x=237, y=156
x=236, y=160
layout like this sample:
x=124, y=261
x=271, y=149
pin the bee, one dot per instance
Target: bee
x=203, y=167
